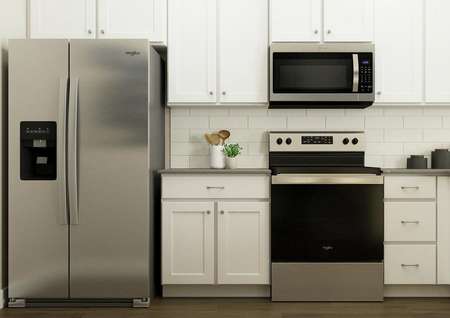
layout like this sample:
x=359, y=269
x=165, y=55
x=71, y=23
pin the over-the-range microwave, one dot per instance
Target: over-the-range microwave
x=335, y=75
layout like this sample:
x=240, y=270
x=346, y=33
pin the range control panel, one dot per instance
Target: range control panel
x=352, y=141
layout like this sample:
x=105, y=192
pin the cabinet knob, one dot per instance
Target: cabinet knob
x=222, y=212
x=208, y=212
x=102, y=31
x=89, y=31
x=316, y=31
x=211, y=93
x=224, y=93
x=329, y=32
x=378, y=93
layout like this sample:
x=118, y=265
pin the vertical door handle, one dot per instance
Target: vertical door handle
x=355, y=73
x=61, y=150
x=72, y=170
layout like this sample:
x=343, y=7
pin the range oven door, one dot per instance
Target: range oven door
x=312, y=74
x=327, y=218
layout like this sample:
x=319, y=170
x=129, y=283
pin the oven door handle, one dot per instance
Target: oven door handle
x=355, y=73
x=327, y=179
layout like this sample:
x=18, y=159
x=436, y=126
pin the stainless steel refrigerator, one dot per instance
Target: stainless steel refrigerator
x=86, y=131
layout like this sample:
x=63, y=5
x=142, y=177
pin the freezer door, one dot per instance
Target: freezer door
x=38, y=231
x=108, y=169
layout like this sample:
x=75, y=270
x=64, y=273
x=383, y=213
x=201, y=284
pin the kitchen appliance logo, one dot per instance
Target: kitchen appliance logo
x=132, y=53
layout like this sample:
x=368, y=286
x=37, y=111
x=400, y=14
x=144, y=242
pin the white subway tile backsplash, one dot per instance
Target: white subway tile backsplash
x=345, y=123
x=392, y=132
x=423, y=122
x=228, y=122
x=306, y=123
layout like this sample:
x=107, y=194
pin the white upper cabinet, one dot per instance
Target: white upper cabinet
x=399, y=50
x=348, y=20
x=243, y=243
x=192, y=51
x=62, y=19
x=243, y=51
x=437, y=66
x=296, y=20
x=132, y=19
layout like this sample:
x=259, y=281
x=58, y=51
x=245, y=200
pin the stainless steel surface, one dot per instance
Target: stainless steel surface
x=214, y=171
x=109, y=249
x=72, y=145
x=37, y=242
x=61, y=145
x=296, y=137
x=327, y=281
x=320, y=48
x=317, y=178
x=355, y=72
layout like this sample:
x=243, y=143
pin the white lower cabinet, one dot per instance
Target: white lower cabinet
x=443, y=230
x=243, y=243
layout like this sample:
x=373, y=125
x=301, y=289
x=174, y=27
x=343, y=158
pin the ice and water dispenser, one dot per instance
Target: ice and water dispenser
x=38, y=150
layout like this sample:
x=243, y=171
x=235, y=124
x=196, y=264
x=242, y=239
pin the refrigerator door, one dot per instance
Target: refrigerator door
x=108, y=169
x=38, y=232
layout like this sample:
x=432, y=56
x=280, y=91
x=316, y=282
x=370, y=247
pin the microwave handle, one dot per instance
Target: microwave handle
x=355, y=73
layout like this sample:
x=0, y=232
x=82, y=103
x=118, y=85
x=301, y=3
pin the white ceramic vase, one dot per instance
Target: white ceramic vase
x=217, y=157
x=231, y=163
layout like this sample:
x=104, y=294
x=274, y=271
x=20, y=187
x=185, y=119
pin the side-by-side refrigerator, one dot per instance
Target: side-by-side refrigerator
x=86, y=132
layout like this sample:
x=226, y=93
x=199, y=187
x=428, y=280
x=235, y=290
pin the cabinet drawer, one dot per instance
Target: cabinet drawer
x=410, y=221
x=410, y=187
x=215, y=186
x=410, y=264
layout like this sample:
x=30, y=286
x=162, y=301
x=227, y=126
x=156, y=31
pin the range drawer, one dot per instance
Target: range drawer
x=410, y=221
x=410, y=264
x=215, y=186
x=397, y=187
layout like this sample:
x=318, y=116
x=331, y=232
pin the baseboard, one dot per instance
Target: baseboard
x=416, y=291
x=228, y=291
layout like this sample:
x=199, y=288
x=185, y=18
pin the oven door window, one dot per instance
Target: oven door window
x=327, y=223
x=312, y=73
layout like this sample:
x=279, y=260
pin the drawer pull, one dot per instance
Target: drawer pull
x=410, y=265
x=410, y=188
x=218, y=188
x=208, y=212
x=410, y=222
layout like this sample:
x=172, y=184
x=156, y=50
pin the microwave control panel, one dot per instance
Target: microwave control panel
x=365, y=73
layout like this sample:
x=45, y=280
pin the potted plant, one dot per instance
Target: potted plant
x=231, y=152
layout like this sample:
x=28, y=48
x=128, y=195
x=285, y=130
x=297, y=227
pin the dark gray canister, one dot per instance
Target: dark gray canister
x=417, y=162
x=440, y=159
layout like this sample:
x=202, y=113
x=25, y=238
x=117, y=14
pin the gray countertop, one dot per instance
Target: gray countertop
x=417, y=172
x=214, y=171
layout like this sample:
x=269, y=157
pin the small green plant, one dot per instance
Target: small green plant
x=232, y=150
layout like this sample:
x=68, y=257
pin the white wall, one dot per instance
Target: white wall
x=12, y=25
x=393, y=132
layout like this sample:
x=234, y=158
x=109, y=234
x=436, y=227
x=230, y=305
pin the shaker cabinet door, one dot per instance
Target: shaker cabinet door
x=62, y=19
x=296, y=20
x=187, y=243
x=192, y=52
x=399, y=50
x=142, y=19
x=243, y=51
x=243, y=243
x=348, y=20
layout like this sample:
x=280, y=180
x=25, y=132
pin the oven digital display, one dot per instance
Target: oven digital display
x=317, y=140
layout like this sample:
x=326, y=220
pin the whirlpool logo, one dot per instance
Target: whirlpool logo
x=132, y=53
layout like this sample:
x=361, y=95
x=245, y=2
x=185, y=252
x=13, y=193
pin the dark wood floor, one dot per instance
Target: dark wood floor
x=251, y=308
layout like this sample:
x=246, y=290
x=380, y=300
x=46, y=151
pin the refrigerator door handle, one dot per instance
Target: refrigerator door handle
x=62, y=151
x=73, y=152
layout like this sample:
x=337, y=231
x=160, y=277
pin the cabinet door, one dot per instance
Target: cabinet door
x=443, y=231
x=437, y=88
x=192, y=51
x=61, y=19
x=132, y=19
x=187, y=243
x=243, y=243
x=399, y=50
x=348, y=20
x=295, y=20
x=243, y=51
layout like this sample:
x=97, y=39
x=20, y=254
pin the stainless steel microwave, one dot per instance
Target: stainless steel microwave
x=335, y=75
